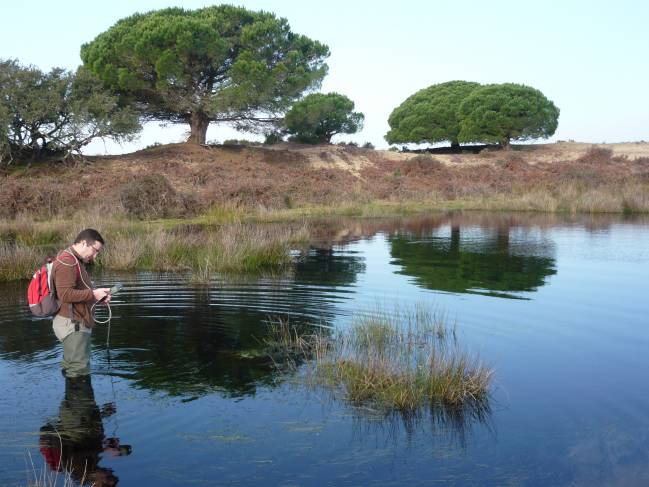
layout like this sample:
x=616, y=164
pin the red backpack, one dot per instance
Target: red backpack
x=41, y=294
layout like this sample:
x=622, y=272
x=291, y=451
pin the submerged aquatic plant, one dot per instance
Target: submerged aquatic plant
x=391, y=361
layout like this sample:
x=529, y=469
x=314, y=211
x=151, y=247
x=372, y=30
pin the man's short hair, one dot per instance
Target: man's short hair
x=90, y=235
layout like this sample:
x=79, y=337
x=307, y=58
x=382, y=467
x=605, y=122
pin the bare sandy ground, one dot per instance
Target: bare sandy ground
x=561, y=152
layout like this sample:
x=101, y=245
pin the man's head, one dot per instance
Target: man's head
x=88, y=244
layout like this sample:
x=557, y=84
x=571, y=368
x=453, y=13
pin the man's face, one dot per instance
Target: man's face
x=89, y=251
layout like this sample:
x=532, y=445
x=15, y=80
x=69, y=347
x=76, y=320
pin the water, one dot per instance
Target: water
x=556, y=306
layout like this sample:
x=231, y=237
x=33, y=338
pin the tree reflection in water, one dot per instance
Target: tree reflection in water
x=489, y=264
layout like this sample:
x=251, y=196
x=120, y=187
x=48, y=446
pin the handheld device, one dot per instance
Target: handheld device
x=113, y=290
x=116, y=288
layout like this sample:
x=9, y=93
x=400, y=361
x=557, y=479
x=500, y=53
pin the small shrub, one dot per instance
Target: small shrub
x=190, y=205
x=642, y=161
x=240, y=142
x=11, y=193
x=149, y=196
x=421, y=165
x=422, y=159
x=43, y=197
x=596, y=155
x=305, y=139
x=273, y=138
x=288, y=201
x=515, y=164
x=368, y=145
x=288, y=157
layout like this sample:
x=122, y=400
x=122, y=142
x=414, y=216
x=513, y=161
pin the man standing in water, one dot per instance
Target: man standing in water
x=74, y=322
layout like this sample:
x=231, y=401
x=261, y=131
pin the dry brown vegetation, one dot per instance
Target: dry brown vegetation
x=192, y=179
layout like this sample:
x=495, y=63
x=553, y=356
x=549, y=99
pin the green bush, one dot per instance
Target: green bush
x=240, y=142
x=319, y=116
x=273, y=138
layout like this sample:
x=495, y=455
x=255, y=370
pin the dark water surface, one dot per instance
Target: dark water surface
x=558, y=307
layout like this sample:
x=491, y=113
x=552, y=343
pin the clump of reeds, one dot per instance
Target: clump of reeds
x=567, y=197
x=226, y=249
x=46, y=477
x=18, y=262
x=289, y=345
x=28, y=232
x=394, y=361
x=198, y=251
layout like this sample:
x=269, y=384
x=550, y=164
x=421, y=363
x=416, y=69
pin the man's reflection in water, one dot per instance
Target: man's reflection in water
x=75, y=441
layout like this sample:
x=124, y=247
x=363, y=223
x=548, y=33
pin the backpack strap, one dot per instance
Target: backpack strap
x=76, y=264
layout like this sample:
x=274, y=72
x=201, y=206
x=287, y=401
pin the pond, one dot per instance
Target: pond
x=183, y=393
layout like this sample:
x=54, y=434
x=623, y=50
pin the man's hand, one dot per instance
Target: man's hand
x=101, y=293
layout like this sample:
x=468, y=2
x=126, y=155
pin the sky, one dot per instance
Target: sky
x=588, y=57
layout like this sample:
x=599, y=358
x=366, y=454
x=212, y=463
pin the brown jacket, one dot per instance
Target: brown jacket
x=73, y=287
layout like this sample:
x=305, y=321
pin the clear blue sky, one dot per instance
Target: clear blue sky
x=588, y=57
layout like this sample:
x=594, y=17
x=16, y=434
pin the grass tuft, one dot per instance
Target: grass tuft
x=391, y=361
x=47, y=477
x=18, y=262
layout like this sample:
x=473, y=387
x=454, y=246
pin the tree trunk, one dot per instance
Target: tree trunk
x=198, y=123
x=455, y=145
x=503, y=239
x=455, y=240
x=504, y=143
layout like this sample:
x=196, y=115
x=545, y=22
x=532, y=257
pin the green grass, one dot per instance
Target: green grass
x=391, y=361
x=631, y=197
x=18, y=262
x=231, y=248
x=198, y=252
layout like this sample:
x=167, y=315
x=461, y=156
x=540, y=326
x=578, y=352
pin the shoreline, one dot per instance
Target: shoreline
x=202, y=209
x=239, y=243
